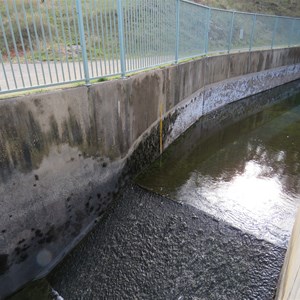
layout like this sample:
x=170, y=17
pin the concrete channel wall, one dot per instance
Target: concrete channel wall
x=289, y=283
x=64, y=155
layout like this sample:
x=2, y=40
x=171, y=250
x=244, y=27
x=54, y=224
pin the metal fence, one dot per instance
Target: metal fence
x=52, y=42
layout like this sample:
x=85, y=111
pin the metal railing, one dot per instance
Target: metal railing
x=52, y=42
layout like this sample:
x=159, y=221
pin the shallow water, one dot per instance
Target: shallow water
x=240, y=164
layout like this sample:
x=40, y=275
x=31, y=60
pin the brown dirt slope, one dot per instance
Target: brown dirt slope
x=274, y=7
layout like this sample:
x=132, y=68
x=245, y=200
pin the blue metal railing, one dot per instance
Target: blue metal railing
x=56, y=42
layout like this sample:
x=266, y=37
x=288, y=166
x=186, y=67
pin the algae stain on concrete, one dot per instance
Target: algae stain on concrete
x=24, y=144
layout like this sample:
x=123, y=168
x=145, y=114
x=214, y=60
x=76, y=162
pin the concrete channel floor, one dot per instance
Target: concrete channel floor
x=150, y=247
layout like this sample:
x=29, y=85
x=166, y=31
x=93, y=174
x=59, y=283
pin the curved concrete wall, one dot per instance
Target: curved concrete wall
x=289, y=283
x=64, y=155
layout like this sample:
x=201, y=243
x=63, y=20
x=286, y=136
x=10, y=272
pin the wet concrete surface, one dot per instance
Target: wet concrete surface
x=150, y=247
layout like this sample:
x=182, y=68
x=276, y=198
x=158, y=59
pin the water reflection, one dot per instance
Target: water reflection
x=244, y=171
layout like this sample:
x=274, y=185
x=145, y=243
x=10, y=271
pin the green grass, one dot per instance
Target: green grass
x=50, y=25
x=274, y=7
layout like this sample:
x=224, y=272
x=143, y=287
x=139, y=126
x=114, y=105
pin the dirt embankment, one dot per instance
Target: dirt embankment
x=274, y=7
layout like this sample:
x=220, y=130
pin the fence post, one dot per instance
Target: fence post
x=231, y=31
x=274, y=32
x=291, y=33
x=207, y=29
x=252, y=32
x=121, y=39
x=82, y=42
x=177, y=30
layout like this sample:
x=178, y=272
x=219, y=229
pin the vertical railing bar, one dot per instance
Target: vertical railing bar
x=30, y=42
x=117, y=37
x=148, y=26
x=162, y=45
x=76, y=39
x=140, y=35
x=22, y=42
x=177, y=31
x=103, y=41
x=98, y=37
x=208, y=16
x=121, y=38
x=106, y=36
x=4, y=71
x=135, y=55
x=167, y=54
x=156, y=35
x=58, y=41
x=274, y=31
x=291, y=33
x=196, y=51
x=231, y=31
x=70, y=38
x=115, y=52
x=114, y=38
x=147, y=31
x=161, y=49
x=128, y=37
x=112, y=41
x=82, y=41
x=89, y=38
x=152, y=44
x=202, y=33
x=203, y=14
x=159, y=54
x=145, y=34
x=252, y=32
x=153, y=35
x=137, y=35
x=44, y=40
x=167, y=28
x=93, y=35
x=148, y=10
x=14, y=43
x=64, y=37
x=143, y=39
x=7, y=50
x=51, y=40
x=133, y=44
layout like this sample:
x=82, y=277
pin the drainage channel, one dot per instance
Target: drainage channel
x=209, y=220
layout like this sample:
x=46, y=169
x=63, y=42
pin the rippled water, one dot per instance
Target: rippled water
x=240, y=164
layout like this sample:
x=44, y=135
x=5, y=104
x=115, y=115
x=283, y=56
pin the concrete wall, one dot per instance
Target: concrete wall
x=289, y=285
x=64, y=155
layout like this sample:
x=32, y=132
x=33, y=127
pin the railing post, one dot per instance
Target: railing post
x=82, y=42
x=121, y=39
x=252, y=32
x=207, y=29
x=274, y=32
x=177, y=31
x=291, y=33
x=231, y=31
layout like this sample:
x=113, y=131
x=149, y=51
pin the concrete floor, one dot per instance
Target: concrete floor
x=149, y=247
